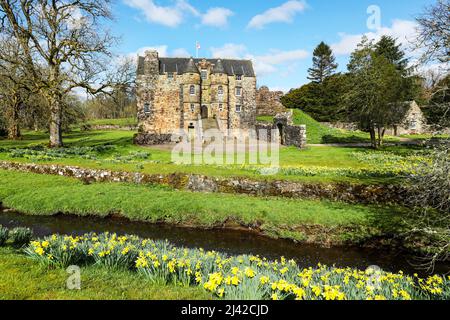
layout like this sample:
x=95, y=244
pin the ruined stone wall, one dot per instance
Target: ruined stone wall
x=353, y=193
x=288, y=134
x=269, y=102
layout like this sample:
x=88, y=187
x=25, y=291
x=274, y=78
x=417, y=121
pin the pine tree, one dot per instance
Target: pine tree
x=324, y=63
x=388, y=48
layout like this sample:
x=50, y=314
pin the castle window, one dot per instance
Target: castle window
x=192, y=90
x=238, y=108
x=220, y=107
x=220, y=90
x=170, y=75
x=238, y=77
x=204, y=74
x=146, y=107
x=192, y=107
x=238, y=91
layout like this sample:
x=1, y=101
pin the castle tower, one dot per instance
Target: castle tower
x=146, y=82
x=219, y=94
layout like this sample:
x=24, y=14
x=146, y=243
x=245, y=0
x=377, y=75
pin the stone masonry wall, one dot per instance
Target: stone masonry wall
x=369, y=194
x=269, y=102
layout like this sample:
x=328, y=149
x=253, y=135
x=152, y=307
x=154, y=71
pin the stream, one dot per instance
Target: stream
x=233, y=242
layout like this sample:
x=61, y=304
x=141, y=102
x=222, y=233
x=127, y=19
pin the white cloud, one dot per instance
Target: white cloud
x=217, y=17
x=284, y=13
x=174, y=15
x=181, y=53
x=263, y=64
x=230, y=51
x=163, y=51
x=403, y=30
x=170, y=16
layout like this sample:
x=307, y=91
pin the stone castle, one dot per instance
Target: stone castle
x=196, y=95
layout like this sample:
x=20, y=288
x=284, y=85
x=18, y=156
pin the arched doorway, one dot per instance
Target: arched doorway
x=204, y=112
x=280, y=133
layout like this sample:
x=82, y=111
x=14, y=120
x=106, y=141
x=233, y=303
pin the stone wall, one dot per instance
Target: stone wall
x=269, y=102
x=368, y=194
x=152, y=139
x=288, y=134
x=414, y=122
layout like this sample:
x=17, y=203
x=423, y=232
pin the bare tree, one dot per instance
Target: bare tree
x=64, y=45
x=434, y=32
x=429, y=197
x=14, y=85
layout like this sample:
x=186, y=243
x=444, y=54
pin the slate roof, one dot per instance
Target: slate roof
x=180, y=66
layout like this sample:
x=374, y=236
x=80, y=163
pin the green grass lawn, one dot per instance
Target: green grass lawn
x=160, y=160
x=318, y=133
x=22, y=278
x=288, y=218
x=113, y=122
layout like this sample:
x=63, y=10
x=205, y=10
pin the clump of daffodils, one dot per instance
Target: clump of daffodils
x=233, y=277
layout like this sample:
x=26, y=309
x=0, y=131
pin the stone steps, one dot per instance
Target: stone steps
x=209, y=123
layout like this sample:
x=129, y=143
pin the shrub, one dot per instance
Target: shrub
x=20, y=236
x=4, y=233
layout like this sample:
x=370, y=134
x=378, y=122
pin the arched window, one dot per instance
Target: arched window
x=192, y=90
x=220, y=91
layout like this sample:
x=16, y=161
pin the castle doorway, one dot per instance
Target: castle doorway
x=204, y=112
x=280, y=133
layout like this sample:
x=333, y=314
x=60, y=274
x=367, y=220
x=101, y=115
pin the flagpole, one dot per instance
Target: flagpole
x=196, y=49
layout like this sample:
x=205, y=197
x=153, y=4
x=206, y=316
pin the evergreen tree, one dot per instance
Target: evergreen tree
x=388, y=48
x=324, y=63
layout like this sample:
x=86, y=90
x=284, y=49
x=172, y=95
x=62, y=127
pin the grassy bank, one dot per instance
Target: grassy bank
x=313, y=221
x=22, y=278
x=114, y=150
x=318, y=133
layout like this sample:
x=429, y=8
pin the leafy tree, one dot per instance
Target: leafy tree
x=374, y=97
x=324, y=63
x=321, y=101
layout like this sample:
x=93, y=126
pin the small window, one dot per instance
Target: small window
x=238, y=77
x=204, y=74
x=192, y=107
x=238, y=91
x=220, y=107
x=146, y=107
x=220, y=91
x=238, y=108
x=192, y=90
x=170, y=75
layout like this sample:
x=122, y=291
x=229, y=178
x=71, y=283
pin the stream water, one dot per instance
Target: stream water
x=228, y=241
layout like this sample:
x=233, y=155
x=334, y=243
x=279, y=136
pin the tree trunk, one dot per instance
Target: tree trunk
x=55, y=122
x=13, y=121
x=380, y=137
x=373, y=138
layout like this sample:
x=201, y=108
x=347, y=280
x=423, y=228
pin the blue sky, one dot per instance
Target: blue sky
x=278, y=35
